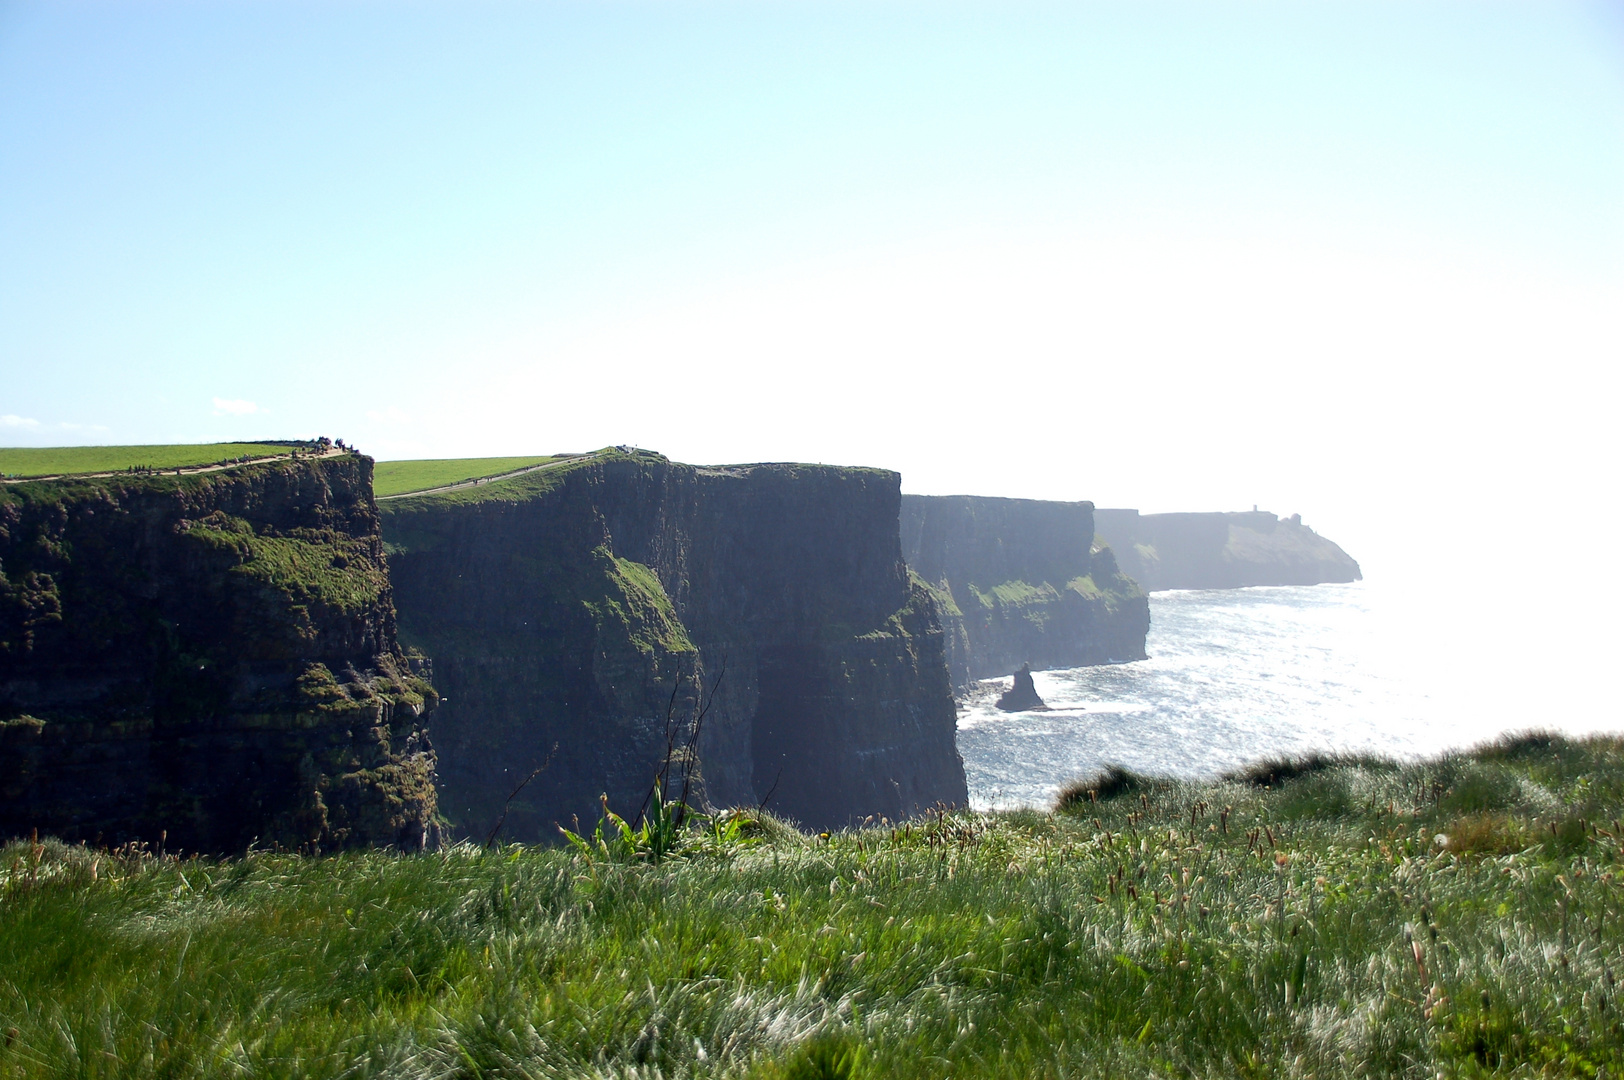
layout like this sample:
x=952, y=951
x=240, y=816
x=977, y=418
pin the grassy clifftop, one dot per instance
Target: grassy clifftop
x=1457, y=917
x=426, y=483
x=69, y=460
x=391, y=478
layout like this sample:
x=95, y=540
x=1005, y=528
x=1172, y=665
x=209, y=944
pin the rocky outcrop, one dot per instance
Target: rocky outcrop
x=1022, y=582
x=579, y=614
x=208, y=661
x=1022, y=695
x=1222, y=551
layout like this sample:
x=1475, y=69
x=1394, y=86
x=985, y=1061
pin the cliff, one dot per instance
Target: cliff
x=1022, y=582
x=207, y=660
x=575, y=612
x=1222, y=551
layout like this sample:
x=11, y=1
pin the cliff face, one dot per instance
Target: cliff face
x=1023, y=582
x=211, y=657
x=1222, y=551
x=577, y=613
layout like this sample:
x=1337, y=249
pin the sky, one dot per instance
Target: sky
x=1362, y=261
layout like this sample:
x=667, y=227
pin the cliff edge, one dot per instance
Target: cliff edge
x=1022, y=581
x=578, y=613
x=208, y=661
x=1222, y=550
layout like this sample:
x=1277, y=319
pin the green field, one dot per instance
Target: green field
x=402, y=477
x=1453, y=918
x=66, y=460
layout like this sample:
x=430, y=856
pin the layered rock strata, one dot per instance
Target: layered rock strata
x=208, y=661
x=582, y=616
x=1022, y=582
x=1222, y=550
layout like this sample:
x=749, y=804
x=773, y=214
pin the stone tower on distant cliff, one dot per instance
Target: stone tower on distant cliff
x=1223, y=551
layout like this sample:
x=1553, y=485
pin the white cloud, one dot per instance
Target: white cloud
x=236, y=407
x=11, y=420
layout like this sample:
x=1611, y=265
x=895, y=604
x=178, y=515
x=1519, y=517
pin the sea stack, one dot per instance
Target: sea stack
x=1023, y=695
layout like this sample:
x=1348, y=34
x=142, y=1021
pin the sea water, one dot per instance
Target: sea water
x=1235, y=675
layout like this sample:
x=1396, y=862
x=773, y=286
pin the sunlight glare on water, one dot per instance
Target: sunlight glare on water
x=1235, y=675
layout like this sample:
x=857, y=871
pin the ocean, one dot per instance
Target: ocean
x=1235, y=675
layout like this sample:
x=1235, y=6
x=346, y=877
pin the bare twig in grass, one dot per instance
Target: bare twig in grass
x=693, y=741
x=490, y=840
x=768, y=797
x=688, y=754
x=661, y=776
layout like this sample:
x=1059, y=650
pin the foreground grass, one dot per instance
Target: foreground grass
x=68, y=460
x=1457, y=918
x=402, y=477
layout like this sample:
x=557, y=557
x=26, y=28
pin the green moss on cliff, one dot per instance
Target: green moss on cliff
x=941, y=594
x=1084, y=585
x=629, y=597
x=29, y=603
x=318, y=687
x=191, y=627
x=321, y=566
x=921, y=611
x=1014, y=594
x=320, y=691
x=1021, y=594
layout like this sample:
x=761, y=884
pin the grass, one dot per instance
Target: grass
x=1111, y=782
x=1014, y=594
x=1359, y=919
x=69, y=460
x=521, y=488
x=404, y=477
x=323, y=567
x=1084, y=585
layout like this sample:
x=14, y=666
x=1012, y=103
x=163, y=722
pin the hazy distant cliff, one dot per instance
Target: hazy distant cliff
x=210, y=657
x=1022, y=582
x=564, y=608
x=1221, y=551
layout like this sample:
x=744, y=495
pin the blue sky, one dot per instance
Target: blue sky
x=1327, y=257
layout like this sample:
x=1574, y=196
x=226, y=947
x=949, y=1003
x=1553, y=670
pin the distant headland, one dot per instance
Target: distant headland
x=1221, y=551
